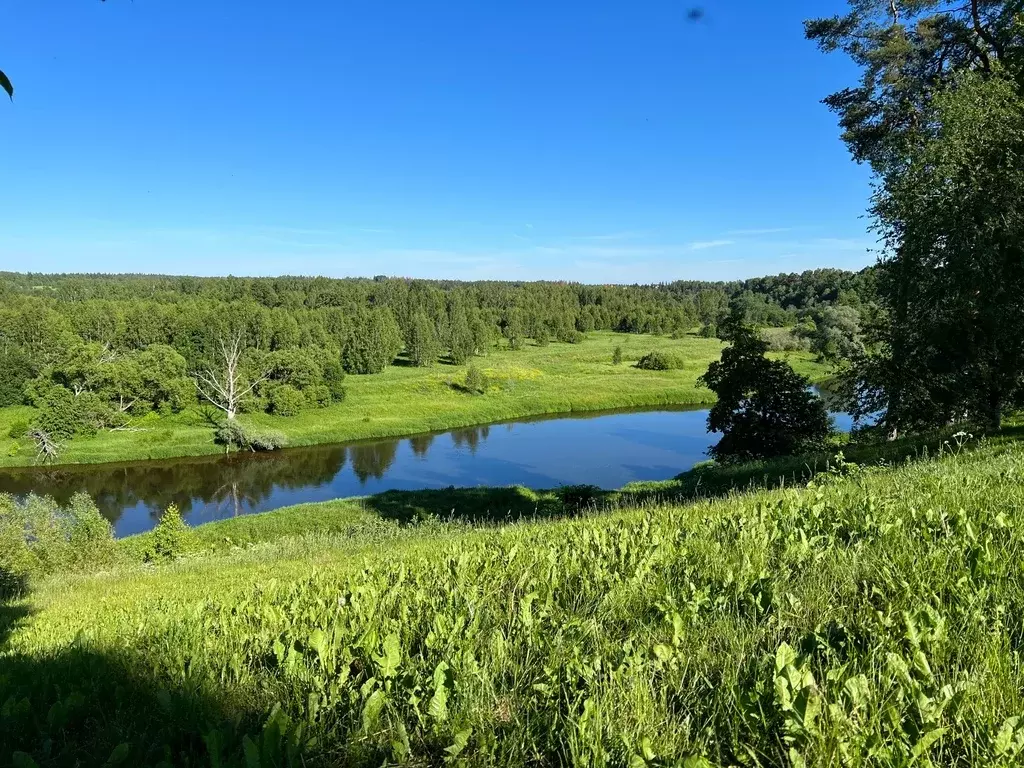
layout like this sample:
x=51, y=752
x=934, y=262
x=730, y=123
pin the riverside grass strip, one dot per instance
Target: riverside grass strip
x=871, y=618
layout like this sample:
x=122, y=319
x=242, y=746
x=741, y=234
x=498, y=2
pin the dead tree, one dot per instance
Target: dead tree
x=47, y=449
x=224, y=388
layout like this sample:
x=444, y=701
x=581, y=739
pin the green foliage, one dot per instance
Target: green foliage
x=952, y=217
x=617, y=355
x=286, y=400
x=660, y=361
x=15, y=373
x=171, y=538
x=422, y=345
x=476, y=382
x=764, y=408
x=18, y=429
x=334, y=380
x=373, y=342
x=62, y=415
x=38, y=537
x=462, y=344
x=233, y=434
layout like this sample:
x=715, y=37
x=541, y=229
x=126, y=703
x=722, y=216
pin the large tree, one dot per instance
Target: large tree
x=937, y=116
x=764, y=408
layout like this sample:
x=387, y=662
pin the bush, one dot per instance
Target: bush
x=171, y=538
x=617, y=356
x=286, y=400
x=233, y=434
x=18, y=430
x=659, y=361
x=541, y=337
x=476, y=382
x=708, y=331
x=571, y=336
x=334, y=379
x=38, y=537
x=319, y=396
x=580, y=496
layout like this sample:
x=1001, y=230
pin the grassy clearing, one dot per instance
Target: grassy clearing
x=558, y=378
x=869, y=619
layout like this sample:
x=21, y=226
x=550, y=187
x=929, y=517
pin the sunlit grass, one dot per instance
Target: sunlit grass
x=870, y=619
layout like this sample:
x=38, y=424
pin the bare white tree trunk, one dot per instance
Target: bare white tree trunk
x=224, y=387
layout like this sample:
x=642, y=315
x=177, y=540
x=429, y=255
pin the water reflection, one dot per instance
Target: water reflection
x=607, y=450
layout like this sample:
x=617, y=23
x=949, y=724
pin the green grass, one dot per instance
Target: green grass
x=558, y=378
x=872, y=618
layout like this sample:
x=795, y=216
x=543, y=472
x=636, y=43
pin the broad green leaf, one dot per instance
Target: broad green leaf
x=459, y=743
x=372, y=709
x=438, y=707
x=925, y=742
x=120, y=754
x=389, y=660
x=252, y=753
x=1004, y=739
x=23, y=760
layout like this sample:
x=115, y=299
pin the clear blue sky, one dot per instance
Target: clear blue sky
x=587, y=140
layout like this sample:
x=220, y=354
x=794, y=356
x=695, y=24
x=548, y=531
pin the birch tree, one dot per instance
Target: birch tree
x=225, y=386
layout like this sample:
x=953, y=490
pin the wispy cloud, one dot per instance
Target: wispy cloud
x=703, y=245
x=765, y=231
x=629, y=235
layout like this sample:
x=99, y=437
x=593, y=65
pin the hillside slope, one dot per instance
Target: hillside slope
x=867, y=619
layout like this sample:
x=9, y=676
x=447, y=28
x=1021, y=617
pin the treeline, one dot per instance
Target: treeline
x=93, y=352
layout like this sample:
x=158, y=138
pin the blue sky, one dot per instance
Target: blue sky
x=592, y=141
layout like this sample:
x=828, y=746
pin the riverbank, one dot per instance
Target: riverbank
x=553, y=379
x=362, y=639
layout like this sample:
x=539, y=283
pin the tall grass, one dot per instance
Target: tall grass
x=870, y=618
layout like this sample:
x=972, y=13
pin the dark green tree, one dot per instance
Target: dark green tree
x=937, y=115
x=461, y=342
x=373, y=342
x=617, y=355
x=764, y=408
x=422, y=344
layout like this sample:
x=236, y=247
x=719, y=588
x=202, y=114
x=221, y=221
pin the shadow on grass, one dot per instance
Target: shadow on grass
x=478, y=505
x=84, y=707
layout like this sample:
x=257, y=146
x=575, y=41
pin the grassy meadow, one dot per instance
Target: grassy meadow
x=404, y=400
x=869, y=617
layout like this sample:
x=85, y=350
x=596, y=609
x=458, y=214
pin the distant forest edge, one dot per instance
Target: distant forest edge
x=93, y=352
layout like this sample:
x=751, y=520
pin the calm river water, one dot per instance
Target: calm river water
x=607, y=449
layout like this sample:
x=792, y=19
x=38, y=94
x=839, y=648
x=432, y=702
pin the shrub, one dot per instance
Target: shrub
x=39, y=537
x=659, y=361
x=476, y=382
x=319, y=396
x=18, y=430
x=286, y=400
x=233, y=434
x=580, y=496
x=334, y=379
x=709, y=331
x=617, y=356
x=541, y=337
x=171, y=538
x=571, y=336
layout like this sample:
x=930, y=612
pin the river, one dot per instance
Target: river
x=606, y=449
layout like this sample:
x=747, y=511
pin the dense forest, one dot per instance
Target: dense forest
x=95, y=352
